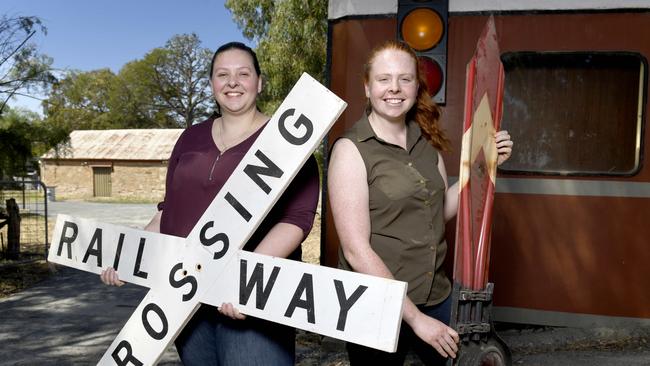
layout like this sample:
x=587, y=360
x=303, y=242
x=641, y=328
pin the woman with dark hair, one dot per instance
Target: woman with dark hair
x=203, y=159
x=390, y=200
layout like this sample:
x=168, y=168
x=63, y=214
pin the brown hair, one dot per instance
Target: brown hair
x=425, y=112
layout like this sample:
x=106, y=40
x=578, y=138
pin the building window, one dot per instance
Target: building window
x=574, y=113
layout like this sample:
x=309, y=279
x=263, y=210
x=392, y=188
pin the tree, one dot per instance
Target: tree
x=252, y=16
x=100, y=99
x=169, y=87
x=22, y=68
x=180, y=79
x=23, y=137
x=139, y=99
x=291, y=37
x=83, y=100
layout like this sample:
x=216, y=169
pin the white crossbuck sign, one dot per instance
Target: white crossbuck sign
x=209, y=266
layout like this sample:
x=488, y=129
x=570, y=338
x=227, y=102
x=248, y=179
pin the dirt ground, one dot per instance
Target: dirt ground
x=16, y=277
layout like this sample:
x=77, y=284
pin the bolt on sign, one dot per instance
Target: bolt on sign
x=209, y=266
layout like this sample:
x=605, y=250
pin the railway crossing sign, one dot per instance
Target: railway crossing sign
x=472, y=295
x=478, y=166
x=209, y=266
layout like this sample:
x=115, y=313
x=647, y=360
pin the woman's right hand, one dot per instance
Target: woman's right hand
x=434, y=332
x=230, y=311
x=109, y=277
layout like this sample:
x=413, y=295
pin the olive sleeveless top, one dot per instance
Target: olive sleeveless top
x=406, y=194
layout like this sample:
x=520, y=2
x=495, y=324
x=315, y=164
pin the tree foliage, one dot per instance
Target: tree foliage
x=88, y=100
x=23, y=137
x=22, y=68
x=139, y=103
x=168, y=87
x=291, y=37
x=179, y=78
x=252, y=16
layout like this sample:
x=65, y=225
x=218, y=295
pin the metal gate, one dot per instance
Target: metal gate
x=102, y=181
x=30, y=199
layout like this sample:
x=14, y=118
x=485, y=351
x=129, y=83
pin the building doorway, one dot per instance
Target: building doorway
x=102, y=181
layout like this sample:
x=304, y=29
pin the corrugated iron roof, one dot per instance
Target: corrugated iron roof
x=135, y=144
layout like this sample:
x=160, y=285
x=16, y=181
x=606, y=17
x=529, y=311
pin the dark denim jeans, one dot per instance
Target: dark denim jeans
x=210, y=338
x=361, y=355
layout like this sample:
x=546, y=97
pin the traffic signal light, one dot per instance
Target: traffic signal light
x=423, y=25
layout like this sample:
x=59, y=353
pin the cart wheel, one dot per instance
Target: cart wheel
x=490, y=353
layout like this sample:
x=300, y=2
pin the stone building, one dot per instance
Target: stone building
x=128, y=164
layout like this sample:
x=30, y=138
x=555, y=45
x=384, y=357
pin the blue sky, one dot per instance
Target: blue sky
x=88, y=35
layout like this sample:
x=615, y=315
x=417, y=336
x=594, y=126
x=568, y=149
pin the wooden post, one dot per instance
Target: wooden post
x=12, y=221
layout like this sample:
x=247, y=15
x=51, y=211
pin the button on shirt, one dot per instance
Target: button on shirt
x=406, y=193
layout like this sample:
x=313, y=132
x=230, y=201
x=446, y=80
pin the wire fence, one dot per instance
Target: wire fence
x=30, y=199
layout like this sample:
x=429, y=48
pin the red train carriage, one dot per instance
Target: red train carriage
x=570, y=229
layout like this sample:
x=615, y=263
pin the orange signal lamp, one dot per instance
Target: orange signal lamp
x=422, y=29
x=432, y=74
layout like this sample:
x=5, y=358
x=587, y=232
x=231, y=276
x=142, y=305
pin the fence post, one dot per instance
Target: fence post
x=12, y=221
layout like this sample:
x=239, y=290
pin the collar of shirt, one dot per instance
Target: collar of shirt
x=365, y=132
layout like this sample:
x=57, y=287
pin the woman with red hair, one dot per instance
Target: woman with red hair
x=390, y=200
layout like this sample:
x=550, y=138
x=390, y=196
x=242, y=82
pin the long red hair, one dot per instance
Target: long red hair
x=425, y=112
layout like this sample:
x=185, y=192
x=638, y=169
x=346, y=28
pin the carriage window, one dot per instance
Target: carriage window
x=574, y=113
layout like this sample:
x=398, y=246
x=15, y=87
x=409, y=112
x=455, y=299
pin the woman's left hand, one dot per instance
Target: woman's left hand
x=230, y=311
x=504, y=146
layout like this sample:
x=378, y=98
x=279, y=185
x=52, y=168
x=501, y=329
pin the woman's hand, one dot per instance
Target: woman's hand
x=441, y=337
x=504, y=146
x=230, y=311
x=109, y=277
x=154, y=224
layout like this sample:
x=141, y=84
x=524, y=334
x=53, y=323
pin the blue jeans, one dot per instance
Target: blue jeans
x=210, y=338
x=361, y=355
